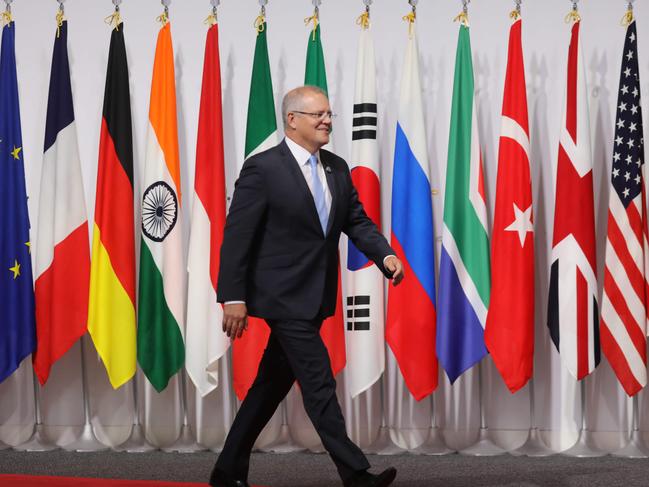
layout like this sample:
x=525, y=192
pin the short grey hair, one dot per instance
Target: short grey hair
x=294, y=99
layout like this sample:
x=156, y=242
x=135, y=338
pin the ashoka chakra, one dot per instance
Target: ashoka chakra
x=159, y=211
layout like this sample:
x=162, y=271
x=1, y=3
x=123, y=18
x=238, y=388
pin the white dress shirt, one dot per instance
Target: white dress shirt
x=302, y=157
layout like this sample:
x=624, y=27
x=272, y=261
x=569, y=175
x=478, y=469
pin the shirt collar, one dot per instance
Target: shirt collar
x=300, y=153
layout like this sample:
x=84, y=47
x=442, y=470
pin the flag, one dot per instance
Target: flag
x=364, y=337
x=62, y=250
x=111, y=318
x=464, y=276
x=333, y=328
x=624, y=304
x=261, y=134
x=572, y=306
x=206, y=342
x=509, y=333
x=160, y=345
x=18, y=330
x=410, y=329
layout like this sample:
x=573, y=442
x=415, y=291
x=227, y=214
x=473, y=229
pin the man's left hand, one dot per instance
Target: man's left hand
x=394, y=265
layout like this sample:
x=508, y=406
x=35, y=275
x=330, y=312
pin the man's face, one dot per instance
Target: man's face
x=309, y=128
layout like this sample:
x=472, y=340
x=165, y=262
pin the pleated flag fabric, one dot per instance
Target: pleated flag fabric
x=160, y=331
x=18, y=329
x=206, y=341
x=573, y=316
x=464, y=276
x=509, y=333
x=624, y=303
x=261, y=134
x=411, y=319
x=62, y=245
x=365, y=330
x=332, y=330
x=111, y=318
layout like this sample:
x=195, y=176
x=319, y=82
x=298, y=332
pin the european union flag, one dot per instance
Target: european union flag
x=17, y=323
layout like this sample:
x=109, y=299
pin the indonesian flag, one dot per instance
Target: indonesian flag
x=410, y=329
x=572, y=309
x=62, y=250
x=509, y=333
x=365, y=340
x=111, y=319
x=206, y=342
x=160, y=345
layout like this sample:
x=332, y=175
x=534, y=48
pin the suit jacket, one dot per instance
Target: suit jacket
x=274, y=255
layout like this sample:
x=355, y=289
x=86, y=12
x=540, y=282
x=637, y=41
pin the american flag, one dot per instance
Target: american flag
x=624, y=307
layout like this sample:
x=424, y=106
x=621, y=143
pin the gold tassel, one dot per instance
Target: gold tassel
x=163, y=18
x=410, y=18
x=260, y=23
x=114, y=20
x=462, y=18
x=60, y=17
x=514, y=15
x=628, y=18
x=210, y=20
x=314, y=19
x=6, y=17
x=364, y=20
x=573, y=16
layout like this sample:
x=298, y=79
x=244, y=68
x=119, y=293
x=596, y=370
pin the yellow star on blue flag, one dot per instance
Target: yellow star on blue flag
x=15, y=269
x=16, y=152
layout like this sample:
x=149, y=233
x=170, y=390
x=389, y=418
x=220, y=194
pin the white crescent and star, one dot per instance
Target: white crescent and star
x=522, y=223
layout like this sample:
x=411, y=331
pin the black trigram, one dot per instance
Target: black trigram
x=358, y=307
x=364, y=125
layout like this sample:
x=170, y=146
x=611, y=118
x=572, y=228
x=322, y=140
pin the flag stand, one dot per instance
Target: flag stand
x=434, y=444
x=185, y=442
x=484, y=447
x=635, y=448
x=383, y=445
x=283, y=442
x=585, y=446
x=534, y=445
x=87, y=442
x=136, y=442
x=38, y=441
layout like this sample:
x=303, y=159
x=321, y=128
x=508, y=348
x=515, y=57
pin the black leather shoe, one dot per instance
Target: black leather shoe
x=366, y=479
x=221, y=479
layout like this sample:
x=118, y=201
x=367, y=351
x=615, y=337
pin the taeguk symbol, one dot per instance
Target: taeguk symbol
x=159, y=211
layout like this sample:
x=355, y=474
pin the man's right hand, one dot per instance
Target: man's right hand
x=235, y=319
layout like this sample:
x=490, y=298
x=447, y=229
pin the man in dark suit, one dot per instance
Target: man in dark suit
x=279, y=261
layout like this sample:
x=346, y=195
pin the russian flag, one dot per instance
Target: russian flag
x=410, y=329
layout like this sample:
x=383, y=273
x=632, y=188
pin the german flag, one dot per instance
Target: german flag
x=111, y=320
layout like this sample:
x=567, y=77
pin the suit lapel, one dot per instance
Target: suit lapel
x=301, y=185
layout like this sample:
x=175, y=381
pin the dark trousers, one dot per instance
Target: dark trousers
x=294, y=351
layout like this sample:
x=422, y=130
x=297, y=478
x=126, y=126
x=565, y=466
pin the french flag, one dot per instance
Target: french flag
x=62, y=244
x=411, y=321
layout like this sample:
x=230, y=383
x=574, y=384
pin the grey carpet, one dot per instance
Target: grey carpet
x=311, y=470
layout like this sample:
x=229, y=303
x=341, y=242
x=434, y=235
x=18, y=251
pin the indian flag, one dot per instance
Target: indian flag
x=160, y=346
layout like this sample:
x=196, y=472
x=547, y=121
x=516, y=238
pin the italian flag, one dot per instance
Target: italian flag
x=160, y=345
x=261, y=134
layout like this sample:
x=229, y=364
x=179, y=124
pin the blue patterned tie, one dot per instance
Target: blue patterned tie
x=318, y=194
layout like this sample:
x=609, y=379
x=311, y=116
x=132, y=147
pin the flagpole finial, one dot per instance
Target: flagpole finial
x=115, y=18
x=213, y=18
x=516, y=13
x=364, y=19
x=573, y=15
x=628, y=16
x=463, y=17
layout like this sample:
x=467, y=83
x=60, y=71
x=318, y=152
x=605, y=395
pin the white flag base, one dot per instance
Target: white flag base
x=87, y=442
x=533, y=446
x=634, y=449
x=38, y=441
x=484, y=447
x=585, y=447
x=434, y=444
x=186, y=443
x=383, y=445
x=136, y=442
